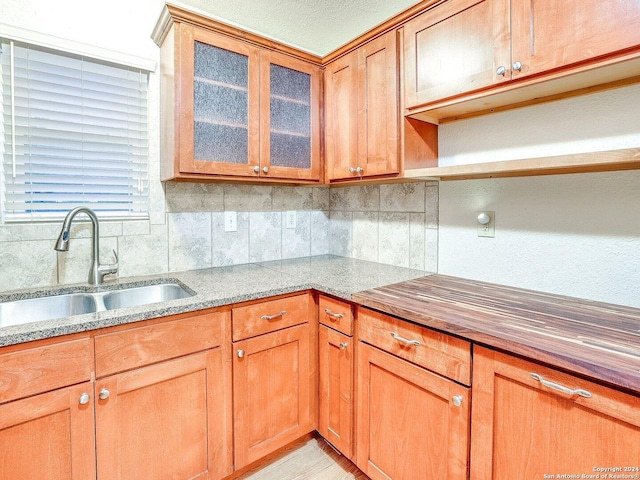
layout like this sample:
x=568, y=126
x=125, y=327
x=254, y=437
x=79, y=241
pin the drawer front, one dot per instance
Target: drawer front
x=136, y=347
x=269, y=316
x=441, y=353
x=40, y=369
x=336, y=314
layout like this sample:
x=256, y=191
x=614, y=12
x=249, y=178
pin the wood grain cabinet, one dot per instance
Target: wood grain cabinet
x=233, y=109
x=274, y=375
x=411, y=422
x=462, y=46
x=335, y=372
x=362, y=111
x=529, y=421
x=163, y=410
x=47, y=412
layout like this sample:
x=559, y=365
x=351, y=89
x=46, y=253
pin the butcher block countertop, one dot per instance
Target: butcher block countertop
x=597, y=340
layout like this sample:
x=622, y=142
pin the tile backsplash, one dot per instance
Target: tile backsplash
x=394, y=224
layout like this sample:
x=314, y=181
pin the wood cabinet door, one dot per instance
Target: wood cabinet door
x=49, y=436
x=408, y=425
x=548, y=34
x=219, y=106
x=378, y=106
x=524, y=429
x=165, y=421
x=455, y=48
x=271, y=392
x=341, y=112
x=289, y=117
x=335, y=415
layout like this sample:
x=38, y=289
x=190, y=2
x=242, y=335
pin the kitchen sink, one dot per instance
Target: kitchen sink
x=132, y=297
x=53, y=306
x=46, y=308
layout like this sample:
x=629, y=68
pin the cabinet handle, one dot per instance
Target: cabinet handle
x=256, y=169
x=457, y=400
x=273, y=317
x=104, y=394
x=406, y=341
x=561, y=388
x=337, y=316
x=356, y=169
x=84, y=399
x=265, y=169
x=343, y=345
x=240, y=353
x=501, y=70
x=517, y=66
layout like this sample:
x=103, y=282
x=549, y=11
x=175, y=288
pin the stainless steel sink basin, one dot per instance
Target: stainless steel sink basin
x=66, y=305
x=46, y=308
x=132, y=297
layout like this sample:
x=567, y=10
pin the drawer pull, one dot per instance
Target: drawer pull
x=333, y=315
x=273, y=317
x=406, y=341
x=560, y=388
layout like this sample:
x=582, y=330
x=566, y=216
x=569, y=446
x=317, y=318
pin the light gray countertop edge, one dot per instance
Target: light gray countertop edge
x=215, y=287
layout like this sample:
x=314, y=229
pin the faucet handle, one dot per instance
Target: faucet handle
x=107, y=269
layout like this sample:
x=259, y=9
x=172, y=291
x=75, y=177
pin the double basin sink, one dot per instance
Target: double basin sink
x=65, y=305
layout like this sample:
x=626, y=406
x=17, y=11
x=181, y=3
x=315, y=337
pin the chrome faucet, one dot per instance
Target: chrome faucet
x=97, y=271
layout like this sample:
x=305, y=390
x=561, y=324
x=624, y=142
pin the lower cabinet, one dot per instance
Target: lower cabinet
x=163, y=400
x=530, y=421
x=412, y=424
x=274, y=381
x=161, y=421
x=335, y=405
x=336, y=357
x=49, y=436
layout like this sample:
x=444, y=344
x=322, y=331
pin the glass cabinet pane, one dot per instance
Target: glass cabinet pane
x=221, y=105
x=290, y=117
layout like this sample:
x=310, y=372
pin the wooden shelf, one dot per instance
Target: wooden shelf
x=220, y=84
x=290, y=100
x=624, y=159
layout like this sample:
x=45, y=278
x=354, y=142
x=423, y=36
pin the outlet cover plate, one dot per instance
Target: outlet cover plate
x=489, y=229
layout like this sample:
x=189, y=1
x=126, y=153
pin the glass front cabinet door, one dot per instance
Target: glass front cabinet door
x=245, y=111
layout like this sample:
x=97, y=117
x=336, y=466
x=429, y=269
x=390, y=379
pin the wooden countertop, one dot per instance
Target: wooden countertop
x=597, y=340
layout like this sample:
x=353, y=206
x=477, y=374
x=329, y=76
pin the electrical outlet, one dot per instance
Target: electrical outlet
x=487, y=229
x=291, y=219
x=230, y=221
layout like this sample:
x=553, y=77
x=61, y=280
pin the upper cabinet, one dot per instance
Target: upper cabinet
x=473, y=55
x=362, y=129
x=233, y=109
x=455, y=48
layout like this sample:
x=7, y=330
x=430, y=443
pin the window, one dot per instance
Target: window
x=73, y=131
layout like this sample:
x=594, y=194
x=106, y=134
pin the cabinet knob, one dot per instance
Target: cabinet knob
x=104, y=394
x=240, y=353
x=265, y=169
x=356, y=169
x=343, y=345
x=256, y=169
x=501, y=70
x=517, y=66
x=457, y=400
x=84, y=399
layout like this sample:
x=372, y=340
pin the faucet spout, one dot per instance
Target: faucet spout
x=97, y=272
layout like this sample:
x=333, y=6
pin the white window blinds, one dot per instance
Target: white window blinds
x=73, y=132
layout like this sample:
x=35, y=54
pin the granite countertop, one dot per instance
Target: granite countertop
x=594, y=339
x=215, y=287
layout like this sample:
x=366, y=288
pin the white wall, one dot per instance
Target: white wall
x=577, y=235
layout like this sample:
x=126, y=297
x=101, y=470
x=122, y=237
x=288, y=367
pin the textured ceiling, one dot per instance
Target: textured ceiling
x=316, y=26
